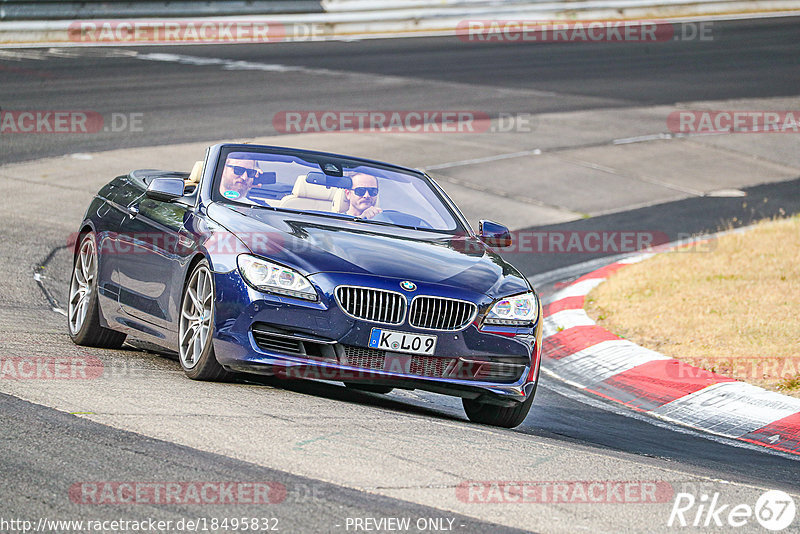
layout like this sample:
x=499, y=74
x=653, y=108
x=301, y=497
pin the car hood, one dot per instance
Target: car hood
x=315, y=244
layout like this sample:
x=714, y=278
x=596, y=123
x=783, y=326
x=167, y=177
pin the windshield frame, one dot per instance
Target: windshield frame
x=461, y=226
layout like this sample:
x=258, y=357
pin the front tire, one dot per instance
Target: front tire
x=83, y=311
x=196, y=328
x=502, y=416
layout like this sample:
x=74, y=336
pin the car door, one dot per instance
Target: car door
x=112, y=201
x=150, y=273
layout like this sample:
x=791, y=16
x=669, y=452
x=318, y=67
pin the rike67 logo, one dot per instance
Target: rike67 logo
x=774, y=510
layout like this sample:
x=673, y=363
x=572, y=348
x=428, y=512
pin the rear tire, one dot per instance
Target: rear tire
x=196, y=330
x=83, y=311
x=502, y=416
x=370, y=388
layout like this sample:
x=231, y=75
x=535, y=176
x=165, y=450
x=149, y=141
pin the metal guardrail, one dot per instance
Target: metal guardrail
x=97, y=9
x=382, y=5
x=51, y=23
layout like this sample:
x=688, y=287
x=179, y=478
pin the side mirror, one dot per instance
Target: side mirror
x=165, y=189
x=494, y=234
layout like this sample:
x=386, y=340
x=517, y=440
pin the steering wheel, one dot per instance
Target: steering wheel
x=403, y=219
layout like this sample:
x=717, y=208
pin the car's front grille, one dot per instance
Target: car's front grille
x=272, y=338
x=405, y=364
x=374, y=305
x=437, y=313
x=499, y=372
x=430, y=366
x=411, y=364
x=270, y=342
x=363, y=358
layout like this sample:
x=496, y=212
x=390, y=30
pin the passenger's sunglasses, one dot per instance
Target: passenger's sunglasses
x=361, y=191
x=238, y=171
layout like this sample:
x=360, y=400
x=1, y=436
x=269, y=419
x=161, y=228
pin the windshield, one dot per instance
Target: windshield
x=347, y=188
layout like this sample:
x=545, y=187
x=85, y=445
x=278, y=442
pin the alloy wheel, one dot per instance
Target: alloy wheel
x=80, y=290
x=196, y=316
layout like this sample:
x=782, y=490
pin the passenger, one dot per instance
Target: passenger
x=362, y=196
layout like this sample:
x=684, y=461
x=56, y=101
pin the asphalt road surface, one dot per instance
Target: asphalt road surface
x=342, y=454
x=744, y=59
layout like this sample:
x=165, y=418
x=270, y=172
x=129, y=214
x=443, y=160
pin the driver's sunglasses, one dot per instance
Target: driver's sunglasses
x=361, y=191
x=238, y=171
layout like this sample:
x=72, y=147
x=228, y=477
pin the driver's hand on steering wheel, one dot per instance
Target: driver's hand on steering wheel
x=370, y=212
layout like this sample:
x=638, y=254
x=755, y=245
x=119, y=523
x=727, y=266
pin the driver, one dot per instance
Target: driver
x=237, y=178
x=363, y=196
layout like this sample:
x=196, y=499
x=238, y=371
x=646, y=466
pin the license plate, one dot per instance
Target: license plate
x=402, y=342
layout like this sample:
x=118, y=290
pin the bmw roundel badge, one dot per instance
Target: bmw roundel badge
x=408, y=286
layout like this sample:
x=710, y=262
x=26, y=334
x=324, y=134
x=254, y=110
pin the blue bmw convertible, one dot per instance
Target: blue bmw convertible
x=309, y=265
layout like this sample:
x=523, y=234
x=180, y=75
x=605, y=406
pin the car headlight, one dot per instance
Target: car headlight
x=519, y=310
x=267, y=276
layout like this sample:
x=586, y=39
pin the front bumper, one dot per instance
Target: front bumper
x=269, y=334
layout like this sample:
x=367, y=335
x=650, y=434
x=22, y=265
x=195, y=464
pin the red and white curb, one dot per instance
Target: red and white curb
x=578, y=351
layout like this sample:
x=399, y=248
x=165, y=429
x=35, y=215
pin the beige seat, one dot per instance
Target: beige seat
x=340, y=203
x=196, y=174
x=194, y=177
x=306, y=196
